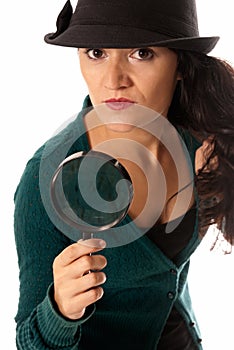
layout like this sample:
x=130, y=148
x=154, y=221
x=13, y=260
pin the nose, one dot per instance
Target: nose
x=117, y=75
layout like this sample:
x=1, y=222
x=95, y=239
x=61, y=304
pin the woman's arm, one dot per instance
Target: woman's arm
x=46, y=329
x=40, y=322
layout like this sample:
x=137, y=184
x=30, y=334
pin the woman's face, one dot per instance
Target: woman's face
x=145, y=76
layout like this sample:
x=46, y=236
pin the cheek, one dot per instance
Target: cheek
x=92, y=84
x=160, y=92
x=158, y=80
x=88, y=74
x=166, y=85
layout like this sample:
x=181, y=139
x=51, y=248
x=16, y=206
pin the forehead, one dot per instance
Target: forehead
x=156, y=49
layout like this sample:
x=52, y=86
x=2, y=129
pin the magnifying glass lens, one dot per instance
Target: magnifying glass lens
x=91, y=191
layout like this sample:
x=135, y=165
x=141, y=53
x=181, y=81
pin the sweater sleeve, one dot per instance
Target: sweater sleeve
x=38, y=242
x=46, y=329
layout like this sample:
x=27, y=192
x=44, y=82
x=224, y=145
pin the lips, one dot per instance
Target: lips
x=118, y=104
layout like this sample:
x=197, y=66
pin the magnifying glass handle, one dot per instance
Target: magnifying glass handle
x=87, y=235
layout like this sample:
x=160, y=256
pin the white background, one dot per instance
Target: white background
x=41, y=87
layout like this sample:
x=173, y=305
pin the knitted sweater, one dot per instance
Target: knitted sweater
x=142, y=285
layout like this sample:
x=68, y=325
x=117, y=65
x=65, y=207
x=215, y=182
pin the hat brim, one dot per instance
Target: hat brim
x=100, y=36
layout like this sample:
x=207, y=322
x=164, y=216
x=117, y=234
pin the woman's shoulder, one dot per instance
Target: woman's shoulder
x=70, y=137
x=191, y=142
x=48, y=156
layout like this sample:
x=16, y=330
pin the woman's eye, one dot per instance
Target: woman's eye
x=95, y=54
x=143, y=54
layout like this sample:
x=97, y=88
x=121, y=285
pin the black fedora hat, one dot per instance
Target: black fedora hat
x=130, y=24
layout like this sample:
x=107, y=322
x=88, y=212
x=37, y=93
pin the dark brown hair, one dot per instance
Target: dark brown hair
x=203, y=104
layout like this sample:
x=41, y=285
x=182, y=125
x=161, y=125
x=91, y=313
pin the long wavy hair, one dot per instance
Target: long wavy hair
x=203, y=103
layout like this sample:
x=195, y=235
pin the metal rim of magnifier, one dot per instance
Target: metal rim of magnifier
x=89, y=228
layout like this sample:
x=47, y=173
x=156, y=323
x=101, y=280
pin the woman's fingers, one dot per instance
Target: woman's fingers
x=74, y=287
x=89, y=281
x=87, y=263
x=81, y=248
x=75, y=308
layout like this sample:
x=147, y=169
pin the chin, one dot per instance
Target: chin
x=120, y=128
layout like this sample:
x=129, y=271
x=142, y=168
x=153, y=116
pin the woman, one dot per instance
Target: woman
x=143, y=54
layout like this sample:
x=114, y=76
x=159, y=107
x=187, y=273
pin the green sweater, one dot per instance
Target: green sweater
x=142, y=283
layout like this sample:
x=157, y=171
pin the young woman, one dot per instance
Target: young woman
x=132, y=295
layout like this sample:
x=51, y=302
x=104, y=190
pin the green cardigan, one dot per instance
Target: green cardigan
x=142, y=283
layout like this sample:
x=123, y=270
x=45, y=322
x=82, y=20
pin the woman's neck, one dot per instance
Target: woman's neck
x=150, y=167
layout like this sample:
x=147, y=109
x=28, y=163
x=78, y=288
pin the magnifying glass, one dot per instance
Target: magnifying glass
x=91, y=191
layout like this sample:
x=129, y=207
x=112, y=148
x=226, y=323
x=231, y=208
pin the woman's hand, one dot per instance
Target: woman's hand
x=77, y=277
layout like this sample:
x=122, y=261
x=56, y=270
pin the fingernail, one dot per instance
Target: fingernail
x=101, y=243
